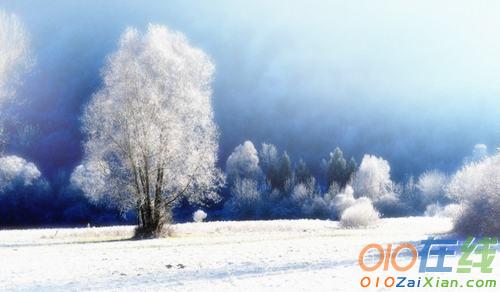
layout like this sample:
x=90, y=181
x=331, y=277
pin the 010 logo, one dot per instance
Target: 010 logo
x=475, y=253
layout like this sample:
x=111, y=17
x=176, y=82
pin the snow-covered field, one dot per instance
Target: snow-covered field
x=290, y=255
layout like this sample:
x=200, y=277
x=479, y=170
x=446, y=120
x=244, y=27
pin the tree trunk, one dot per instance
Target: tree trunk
x=153, y=210
x=151, y=223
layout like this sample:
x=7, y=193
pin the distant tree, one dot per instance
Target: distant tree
x=243, y=163
x=352, y=167
x=268, y=158
x=283, y=174
x=338, y=169
x=15, y=59
x=245, y=200
x=302, y=173
x=150, y=130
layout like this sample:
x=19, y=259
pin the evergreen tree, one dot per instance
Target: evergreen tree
x=302, y=173
x=338, y=170
x=281, y=173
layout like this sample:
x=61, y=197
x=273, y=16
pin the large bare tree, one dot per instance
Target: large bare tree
x=151, y=139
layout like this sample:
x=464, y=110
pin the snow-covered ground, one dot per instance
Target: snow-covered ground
x=284, y=255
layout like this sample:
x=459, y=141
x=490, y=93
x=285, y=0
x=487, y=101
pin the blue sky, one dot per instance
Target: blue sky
x=415, y=82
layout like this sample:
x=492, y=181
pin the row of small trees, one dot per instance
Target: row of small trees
x=265, y=184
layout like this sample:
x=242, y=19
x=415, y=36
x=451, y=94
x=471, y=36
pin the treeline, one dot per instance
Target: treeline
x=267, y=184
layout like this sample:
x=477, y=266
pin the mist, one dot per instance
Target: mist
x=415, y=83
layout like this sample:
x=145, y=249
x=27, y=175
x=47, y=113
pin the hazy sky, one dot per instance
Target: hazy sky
x=417, y=82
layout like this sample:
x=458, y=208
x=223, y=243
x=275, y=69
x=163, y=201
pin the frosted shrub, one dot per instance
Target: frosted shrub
x=477, y=187
x=361, y=214
x=199, y=216
x=14, y=169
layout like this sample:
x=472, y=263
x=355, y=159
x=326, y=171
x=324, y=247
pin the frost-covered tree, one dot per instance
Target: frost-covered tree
x=243, y=163
x=337, y=169
x=303, y=192
x=282, y=176
x=373, y=179
x=150, y=129
x=15, y=59
x=245, y=199
x=302, y=172
x=352, y=167
x=477, y=187
x=268, y=157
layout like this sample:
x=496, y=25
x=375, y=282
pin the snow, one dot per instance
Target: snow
x=290, y=255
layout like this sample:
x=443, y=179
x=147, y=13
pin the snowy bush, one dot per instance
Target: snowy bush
x=16, y=170
x=361, y=214
x=199, y=216
x=477, y=187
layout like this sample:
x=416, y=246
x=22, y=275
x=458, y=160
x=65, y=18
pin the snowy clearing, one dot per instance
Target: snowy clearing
x=293, y=255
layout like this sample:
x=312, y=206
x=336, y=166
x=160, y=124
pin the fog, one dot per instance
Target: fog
x=416, y=83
